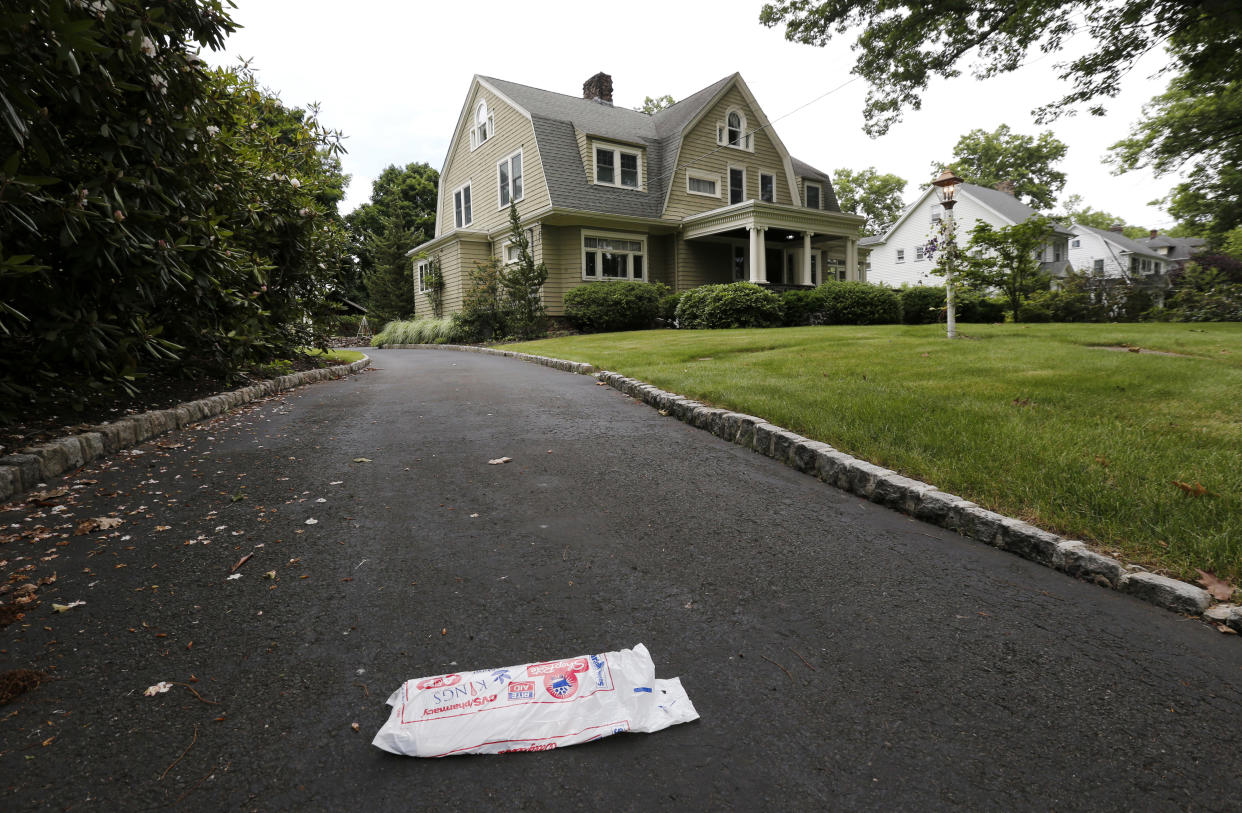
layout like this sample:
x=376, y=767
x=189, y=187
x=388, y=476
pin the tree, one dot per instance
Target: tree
x=1194, y=128
x=987, y=159
x=902, y=44
x=1007, y=259
x=868, y=193
x=400, y=196
x=1078, y=212
x=389, y=282
x=655, y=105
x=522, y=283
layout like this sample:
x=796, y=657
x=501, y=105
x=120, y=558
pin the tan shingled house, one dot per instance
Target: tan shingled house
x=701, y=192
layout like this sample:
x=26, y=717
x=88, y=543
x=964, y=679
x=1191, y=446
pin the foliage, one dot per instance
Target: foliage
x=857, y=303
x=402, y=209
x=1005, y=258
x=604, y=307
x=444, y=330
x=987, y=159
x=902, y=44
x=152, y=213
x=922, y=304
x=802, y=307
x=650, y=105
x=1231, y=243
x=738, y=304
x=433, y=282
x=482, y=315
x=1192, y=129
x=972, y=306
x=1222, y=303
x=1072, y=300
x=1078, y=212
x=668, y=307
x=390, y=291
x=521, y=282
x=866, y=192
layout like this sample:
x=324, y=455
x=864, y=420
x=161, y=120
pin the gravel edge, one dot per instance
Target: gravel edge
x=892, y=490
x=24, y=470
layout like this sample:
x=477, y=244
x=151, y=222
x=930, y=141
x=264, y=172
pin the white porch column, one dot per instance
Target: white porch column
x=756, y=251
x=851, y=259
x=763, y=257
x=806, y=257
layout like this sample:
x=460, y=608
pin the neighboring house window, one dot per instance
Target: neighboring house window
x=737, y=185
x=812, y=196
x=702, y=183
x=937, y=211
x=739, y=263
x=462, y=215
x=732, y=131
x=901, y=255
x=483, y=126
x=1056, y=253
x=1076, y=244
x=424, y=268
x=1097, y=267
x=618, y=166
x=608, y=256
x=509, y=178
x=918, y=253
x=767, y=187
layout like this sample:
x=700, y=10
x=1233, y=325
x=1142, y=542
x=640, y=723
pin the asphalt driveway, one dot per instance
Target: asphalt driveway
x=841, y=656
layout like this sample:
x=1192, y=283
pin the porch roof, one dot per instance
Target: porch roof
x=771, y=215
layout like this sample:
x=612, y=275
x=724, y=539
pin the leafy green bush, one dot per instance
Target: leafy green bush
x=1222, y=303
x=922, y=304
x=1034, y=311
x=738, y=304
x=802, y=307
x=427, y=330
x=970, y=306
x=1071, y=301
x=858, y=303
x=605, y=307
x=668, y=307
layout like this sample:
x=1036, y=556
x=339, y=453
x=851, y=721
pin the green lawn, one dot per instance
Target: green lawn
x=337, y=356
x=1034, y=421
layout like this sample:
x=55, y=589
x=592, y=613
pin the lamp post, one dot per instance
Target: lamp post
x=946, y=190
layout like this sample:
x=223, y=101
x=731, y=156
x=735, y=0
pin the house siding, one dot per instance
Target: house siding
x=914, y=231
x=700, y=151
x=513, y=131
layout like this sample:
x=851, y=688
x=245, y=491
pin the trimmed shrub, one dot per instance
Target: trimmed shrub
x=1071, y=302
x=738, y=304
x=1223, y=303
x=604, y=307
x=972, y=307
x=447, y=330
x=1034, y=311
x=668, y=307
x=802, y=307
x=922, y=304
x=858, y=303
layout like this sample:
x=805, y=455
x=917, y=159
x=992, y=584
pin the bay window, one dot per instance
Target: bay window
x=613, y=256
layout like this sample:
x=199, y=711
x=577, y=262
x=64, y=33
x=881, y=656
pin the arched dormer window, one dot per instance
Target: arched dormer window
x=735, y=128
x=483, y=125
x=732, y=131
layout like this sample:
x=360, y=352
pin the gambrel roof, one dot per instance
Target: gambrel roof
x=556, y=116
x=1121, y=241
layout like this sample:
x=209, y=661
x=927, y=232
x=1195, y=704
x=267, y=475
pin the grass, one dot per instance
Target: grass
x=337, y=356
x=417, y=331
x=1034, y=421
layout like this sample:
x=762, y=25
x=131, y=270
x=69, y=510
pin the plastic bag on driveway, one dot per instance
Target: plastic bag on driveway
x=533, y=707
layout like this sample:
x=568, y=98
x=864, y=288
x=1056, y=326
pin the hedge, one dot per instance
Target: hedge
x=604, y=307
x=738, y=304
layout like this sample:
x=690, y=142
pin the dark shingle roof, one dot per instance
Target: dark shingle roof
x=1006, y=204
x=1120, y=240
x=1180, y=248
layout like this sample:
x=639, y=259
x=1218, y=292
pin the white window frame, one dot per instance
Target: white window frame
x=819, y=188
x=1097, y=267
x=489, y=121
x=508, y=161
x=918, y=254
x=729, y=175
x=629, y=265
x=421, y=268
x=937, y=212
x=702, y=176
x=616, y=150
x=746, y=139
x=466, y=221
x=1077, y=243
x=901, y=255
x=509, y=241
x=772, y=182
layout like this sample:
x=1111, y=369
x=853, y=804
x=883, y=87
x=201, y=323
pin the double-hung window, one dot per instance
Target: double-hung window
x=612, y=256
x=618, y=166
x=702, y=183
x=918, y=253
x=423, y=267
x=737, y=185
x=812, y=196
x=767, y=187
x=462, y=214
x=509, y=179
x=901, y=255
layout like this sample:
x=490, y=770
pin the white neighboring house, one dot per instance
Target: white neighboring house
x=896, y=257
x=1110, y=257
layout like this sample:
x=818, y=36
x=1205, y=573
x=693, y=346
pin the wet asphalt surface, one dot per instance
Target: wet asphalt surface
x=841, y=656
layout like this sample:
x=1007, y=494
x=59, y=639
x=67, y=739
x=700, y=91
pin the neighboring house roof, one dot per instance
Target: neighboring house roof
x=1120, y=240
x=555, y=116
x=1180, y=248
x=871, y=241
x=1002, y=203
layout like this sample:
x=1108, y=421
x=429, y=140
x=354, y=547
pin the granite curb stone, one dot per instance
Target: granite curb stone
x=888, y=488
x=23, y=471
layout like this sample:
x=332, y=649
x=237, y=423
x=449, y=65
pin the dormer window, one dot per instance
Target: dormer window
x=812, y=196
x=616, y=165
x=484, y=126
x=732, y=132
x=735, y=127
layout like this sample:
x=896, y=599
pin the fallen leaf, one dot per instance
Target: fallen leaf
x=162, y=527
x=336, y=482
x=1220, y=589
x=240, y=562
x=1195, y=490
x=362, y=460
x=234, y=576
x=271, y=574
x=444, y=631
x=498, y=460
x=312, y=521
x=63, y=608
x=108, y=523
x=354, y=726
x=158, y=688
x=47, y=742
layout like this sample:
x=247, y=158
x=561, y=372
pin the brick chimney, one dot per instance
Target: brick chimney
x=1006, y=187
x=1117, y=228
x=598, y=88
x=1154, y=233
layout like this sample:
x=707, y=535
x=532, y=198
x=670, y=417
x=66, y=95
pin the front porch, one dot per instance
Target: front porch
x=784, y=247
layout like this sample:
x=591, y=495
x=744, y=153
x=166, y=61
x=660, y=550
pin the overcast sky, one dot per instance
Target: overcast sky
x=393, y=76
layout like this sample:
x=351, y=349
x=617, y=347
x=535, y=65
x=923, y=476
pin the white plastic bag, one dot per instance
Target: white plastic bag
x=533, y=707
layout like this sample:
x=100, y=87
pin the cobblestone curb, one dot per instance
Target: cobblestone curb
x=36, y=464
x=890, y=489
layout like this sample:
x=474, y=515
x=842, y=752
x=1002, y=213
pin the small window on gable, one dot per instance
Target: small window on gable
x=767, y=187
x=462, y=211
x=812, y=196
x=732, y=132
x=483, y=127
